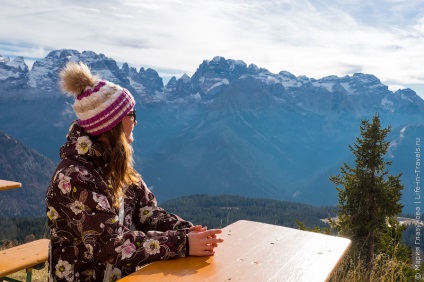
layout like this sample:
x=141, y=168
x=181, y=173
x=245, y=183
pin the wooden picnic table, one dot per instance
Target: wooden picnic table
x=6, y=184
x=25, y=256
x=254, y=251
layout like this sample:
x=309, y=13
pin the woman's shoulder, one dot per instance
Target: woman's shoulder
x=80, y=173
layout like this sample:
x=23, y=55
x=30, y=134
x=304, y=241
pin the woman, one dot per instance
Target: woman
x=104, y=222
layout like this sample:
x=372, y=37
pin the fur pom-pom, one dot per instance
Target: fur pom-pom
x=75, y=77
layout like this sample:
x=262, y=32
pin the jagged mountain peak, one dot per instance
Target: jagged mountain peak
x=14, y=74
x=366, y=78
x=363, y=82
x=329, y=78
x=407, y=93
x=44, y=72
x=252, y=68
x=61, y=53
x=17, y=62
x=287, y=74
x=150, y=80
x=209, y=81
x=219, y=67
x=358, y=83
x=149, y=72
x=171, y=83
x=219, y=60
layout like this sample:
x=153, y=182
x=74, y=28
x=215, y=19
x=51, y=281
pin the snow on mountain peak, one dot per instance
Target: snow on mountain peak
x=19, y=61
x=327, y=85
x=4, y=59
x=387, y=104
x=209, y=80
x=236, y=63
x=287, y=74
x=15, y=69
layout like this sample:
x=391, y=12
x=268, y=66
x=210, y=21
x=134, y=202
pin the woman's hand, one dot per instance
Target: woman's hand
x=202, y=242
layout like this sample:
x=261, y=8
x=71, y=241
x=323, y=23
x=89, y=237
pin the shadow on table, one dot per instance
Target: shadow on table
x=180, y=267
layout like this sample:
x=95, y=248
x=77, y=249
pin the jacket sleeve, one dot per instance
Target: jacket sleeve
x=83, y=222
x=148, y=216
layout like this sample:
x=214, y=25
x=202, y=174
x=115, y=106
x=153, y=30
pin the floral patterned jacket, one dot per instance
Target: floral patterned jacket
x=88, y=242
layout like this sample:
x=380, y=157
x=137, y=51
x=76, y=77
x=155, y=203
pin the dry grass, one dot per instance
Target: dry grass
x=37, y=275
x=383, y=270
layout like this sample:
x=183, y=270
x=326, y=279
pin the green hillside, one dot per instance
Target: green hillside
x=219, y=211
x=212, y=211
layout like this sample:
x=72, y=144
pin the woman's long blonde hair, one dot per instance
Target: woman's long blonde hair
x=122, y=172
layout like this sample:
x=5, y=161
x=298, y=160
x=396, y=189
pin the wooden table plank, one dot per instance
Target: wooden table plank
x=255, y=251
x=23, y=256
x=6, y=184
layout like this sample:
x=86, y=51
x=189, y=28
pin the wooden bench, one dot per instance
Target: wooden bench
x=26, y=256
x=254, y=251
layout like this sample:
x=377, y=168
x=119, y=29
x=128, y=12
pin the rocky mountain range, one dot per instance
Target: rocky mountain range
x=230, y=128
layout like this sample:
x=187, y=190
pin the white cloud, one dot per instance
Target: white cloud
x=314, y=38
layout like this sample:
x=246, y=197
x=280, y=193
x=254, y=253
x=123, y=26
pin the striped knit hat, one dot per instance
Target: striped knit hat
x=99, y=104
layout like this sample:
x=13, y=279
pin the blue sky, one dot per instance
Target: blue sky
x=313, y=38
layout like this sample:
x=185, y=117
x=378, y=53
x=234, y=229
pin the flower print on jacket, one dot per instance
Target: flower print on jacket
x=53, y=233
x=85, y=231
x=101, y=200
x=152, y=246
x=83, y=145
x=64, y=183
x=52, y=214
x=89, y=253
x=77, y=207
x=145, y=213
x=128, y=220
x=90, y=274
x=126, y=249
x=64, y=270
x=81, y=171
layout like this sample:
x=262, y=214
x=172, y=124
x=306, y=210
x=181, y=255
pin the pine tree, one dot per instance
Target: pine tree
x=391, y=243
x=368, y=195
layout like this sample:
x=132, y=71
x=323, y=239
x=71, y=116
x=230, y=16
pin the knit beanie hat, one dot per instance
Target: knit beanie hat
x=99, y=104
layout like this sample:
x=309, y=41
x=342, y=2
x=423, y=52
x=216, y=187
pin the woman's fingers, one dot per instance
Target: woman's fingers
x=210, y=240
x=202, y=243
x=212, y=232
